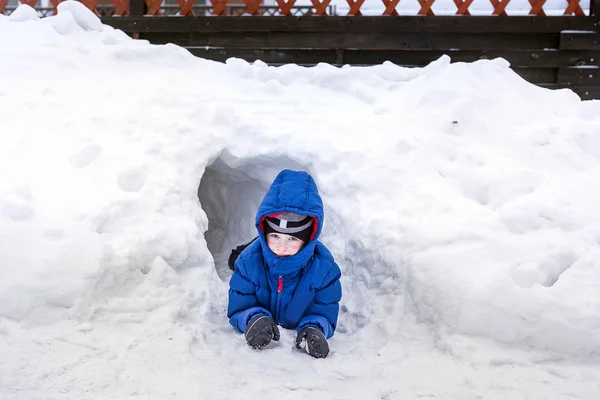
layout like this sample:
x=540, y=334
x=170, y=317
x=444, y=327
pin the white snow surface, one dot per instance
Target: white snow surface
x=461, y=205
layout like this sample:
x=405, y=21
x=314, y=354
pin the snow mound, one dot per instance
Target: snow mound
x=82, y=15
x=24, y=13
x=478, y=226
x=460, y=201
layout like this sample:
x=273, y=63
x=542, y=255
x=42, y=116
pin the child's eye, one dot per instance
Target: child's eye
x=293, y=239
x=274, y=235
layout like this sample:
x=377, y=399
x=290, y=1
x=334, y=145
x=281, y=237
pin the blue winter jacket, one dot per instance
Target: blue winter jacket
x=295, y=291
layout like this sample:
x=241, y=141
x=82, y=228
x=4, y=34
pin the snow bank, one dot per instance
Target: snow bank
x=24, y=13
x=85, y=19
x=458, y=195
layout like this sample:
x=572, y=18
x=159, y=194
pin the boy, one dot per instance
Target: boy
x=287, y=277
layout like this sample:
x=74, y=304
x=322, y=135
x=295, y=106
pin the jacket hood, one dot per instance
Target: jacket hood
x=291, y=191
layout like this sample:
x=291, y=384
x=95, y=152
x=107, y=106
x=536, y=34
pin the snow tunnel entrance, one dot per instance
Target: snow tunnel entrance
x=230, y=192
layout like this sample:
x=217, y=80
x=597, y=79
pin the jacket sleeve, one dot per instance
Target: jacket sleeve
x=243, y=304
x=323, y=312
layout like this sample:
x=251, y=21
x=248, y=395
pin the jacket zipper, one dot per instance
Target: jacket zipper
x=279, y=289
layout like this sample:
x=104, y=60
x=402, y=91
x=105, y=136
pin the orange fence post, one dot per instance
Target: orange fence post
x=4, y=3
x=55, y=4
x=91, y=5
x=536, y=7
x=355, y=7
x=286, y=6
x=499, y=6
x=30, y=3
x=185, y=7
x=390, y=7
x=121, y=7
x=463, y=6
x=321, y=6
x=219, y=7
x=153, y=7
x=252, y=6
x=426, y=7
x=574, y=7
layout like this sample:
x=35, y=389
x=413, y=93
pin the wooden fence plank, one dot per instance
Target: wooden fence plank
x=355, y=6
x=499, y=6
x=595, y=10
x=549, y=51
x=585, y=92
x=572, y=40
x=573, y=7
x=390, y=7
x=537, y=8
x=578, y=76
x=538, y=75
x=379, y=41
x=426, y=7
x=463, y=6
x=136, y=10
x=285, y=6
x=382, y=24
x=517, y=58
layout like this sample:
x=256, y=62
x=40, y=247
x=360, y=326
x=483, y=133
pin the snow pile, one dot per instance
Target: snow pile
x=81, y=15
x=23, y=14
x=461, y=202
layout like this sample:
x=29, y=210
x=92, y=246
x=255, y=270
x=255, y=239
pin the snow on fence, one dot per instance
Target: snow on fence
x=319, y=7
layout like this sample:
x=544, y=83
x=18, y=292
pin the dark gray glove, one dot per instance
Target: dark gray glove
x=313, y=341
x=260, y=331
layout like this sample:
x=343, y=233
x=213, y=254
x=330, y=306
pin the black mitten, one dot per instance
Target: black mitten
x=313, y=341
x=260, y=331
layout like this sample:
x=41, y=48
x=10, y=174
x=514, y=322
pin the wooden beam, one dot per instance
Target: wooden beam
x=583, y=40
x=595, y=11
x=578, y=76
x=376, y=41
x=538, y=75
x=586, y=92
x=340, y=24
x=412, y=58
x=136, y=10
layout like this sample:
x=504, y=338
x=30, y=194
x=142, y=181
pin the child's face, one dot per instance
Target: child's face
x=283, y=245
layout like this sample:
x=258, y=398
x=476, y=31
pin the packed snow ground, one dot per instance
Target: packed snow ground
x=461, y=205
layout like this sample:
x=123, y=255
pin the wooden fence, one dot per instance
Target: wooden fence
x=289, y=7
x=550, y=51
